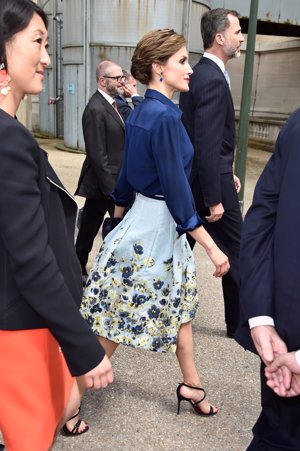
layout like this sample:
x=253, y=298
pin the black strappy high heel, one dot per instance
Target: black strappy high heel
x=195, y=404
x=75, y=429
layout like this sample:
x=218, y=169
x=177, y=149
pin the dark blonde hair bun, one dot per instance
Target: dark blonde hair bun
x=156, y=46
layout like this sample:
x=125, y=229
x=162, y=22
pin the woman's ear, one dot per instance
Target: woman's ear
x=157, y=68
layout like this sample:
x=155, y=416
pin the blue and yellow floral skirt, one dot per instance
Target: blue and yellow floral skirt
x=142, y=286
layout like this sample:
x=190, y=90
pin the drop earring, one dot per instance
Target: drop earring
x=161, y=77
x=4, y=81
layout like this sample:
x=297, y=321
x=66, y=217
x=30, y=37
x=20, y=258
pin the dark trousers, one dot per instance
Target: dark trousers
x=227, y=235
x=92, y=217
x=278, y=426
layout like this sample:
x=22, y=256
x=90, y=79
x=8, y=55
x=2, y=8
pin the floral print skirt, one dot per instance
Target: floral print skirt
x=142, y=286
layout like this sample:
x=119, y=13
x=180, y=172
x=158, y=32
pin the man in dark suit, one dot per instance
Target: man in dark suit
x=270, y=287
x=208, y=115
x=129, y=91
x=103, y=131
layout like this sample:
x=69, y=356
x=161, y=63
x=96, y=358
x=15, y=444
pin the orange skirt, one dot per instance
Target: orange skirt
x=35, y=385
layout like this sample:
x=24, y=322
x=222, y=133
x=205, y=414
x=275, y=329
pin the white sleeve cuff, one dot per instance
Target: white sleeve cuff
x=261, y=321
x=297, y=356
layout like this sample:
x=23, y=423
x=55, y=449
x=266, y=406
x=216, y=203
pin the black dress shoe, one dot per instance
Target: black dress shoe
x=230, y=331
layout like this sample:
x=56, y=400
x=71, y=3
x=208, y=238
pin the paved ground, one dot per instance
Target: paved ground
x=138, y=411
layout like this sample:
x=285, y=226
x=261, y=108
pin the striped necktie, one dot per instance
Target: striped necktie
x=115, y=107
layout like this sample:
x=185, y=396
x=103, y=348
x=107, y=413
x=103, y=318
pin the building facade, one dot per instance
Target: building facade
x=83, y=32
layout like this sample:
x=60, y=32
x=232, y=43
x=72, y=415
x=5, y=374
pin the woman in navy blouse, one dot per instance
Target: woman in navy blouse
x=142, y=288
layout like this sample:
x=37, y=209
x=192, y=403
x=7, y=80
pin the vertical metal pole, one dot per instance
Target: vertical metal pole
x=242, y=142
x=57, y=61
x=187, y=22
x=86, y=49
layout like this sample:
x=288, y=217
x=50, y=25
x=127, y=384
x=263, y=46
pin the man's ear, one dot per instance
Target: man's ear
x=101, y=82
x=219, y=39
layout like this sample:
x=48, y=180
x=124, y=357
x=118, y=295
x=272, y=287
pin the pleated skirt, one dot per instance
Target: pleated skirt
x=35, y=385
x=142, y=286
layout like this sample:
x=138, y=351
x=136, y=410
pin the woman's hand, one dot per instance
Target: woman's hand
x=219, y=259
x=99, y=377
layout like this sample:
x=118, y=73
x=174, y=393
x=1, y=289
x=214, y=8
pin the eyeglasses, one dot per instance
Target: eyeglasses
x=118, y=78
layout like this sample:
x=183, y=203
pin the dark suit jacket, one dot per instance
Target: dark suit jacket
x=103, y=132
x=124, y=107
x=40, y=276
x=208, y=115
x=270, y=246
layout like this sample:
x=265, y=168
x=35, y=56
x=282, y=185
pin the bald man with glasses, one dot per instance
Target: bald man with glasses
x=103, y=131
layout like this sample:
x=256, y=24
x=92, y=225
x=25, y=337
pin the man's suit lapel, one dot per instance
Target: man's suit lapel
x=205, y=60
x=110, y=109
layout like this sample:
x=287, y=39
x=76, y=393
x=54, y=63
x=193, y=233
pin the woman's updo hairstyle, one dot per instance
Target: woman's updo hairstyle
x=15, y=16
x=154, y=47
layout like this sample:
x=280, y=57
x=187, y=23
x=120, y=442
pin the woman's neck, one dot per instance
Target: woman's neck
x=161, y=87
x=9, y=103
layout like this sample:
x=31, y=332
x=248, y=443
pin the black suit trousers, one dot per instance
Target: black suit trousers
x=227, y=234
x=92, y=217
x=277, y=428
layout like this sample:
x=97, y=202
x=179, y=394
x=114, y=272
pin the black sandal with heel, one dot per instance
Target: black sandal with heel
x=195, y=404
x=75, y=429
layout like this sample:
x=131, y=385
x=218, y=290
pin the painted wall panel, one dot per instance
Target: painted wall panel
x=281, y=11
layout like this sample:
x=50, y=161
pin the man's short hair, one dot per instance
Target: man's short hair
x=213, y=22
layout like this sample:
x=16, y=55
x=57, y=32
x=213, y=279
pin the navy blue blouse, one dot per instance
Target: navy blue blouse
x=158, y=159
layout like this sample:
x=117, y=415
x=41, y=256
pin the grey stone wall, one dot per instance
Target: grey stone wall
x=275, y=88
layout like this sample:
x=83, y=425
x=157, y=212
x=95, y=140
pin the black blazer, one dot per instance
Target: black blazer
x=270, y=245
x=103, y=132
x=208, y=115
x=40, y=276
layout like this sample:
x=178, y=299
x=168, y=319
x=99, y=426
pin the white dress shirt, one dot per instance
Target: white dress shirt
x=106, y=96
x=111, y=101
x=216, y=60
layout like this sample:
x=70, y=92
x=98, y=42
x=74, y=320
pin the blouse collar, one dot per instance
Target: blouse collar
x=153, y=94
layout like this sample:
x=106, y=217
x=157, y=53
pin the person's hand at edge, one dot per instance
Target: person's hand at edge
x=237, y=183
x=100, y=376
x=216, y=213
x=130, y=90
x=267, y=343
x=283, y=375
